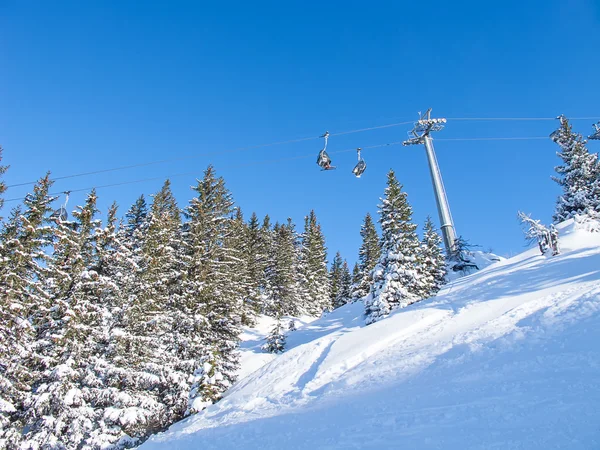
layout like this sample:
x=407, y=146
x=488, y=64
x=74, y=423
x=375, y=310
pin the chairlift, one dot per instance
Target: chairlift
x=323, y=160
x=596, y=135
x=61, y=215
x=361, y=166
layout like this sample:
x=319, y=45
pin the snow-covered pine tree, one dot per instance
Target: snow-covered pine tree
x=314, y=267
x=15, y=377
x=335, y=279
x=282, y=273
x=276, y=339
x=136, y=218
x=546, y=238
x=461, y=257
x=22, y=296
x=238, y=240
x=344, y=293
x=356, y=277
x=257, y=252
x=209, y=295
x=396, y=281
x=579, y=175
x=368, y=256
x=120, y=387
x=58, y=414
x=433, y=261
x=153, y=315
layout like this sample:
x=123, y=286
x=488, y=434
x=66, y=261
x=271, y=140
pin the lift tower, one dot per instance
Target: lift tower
x=420, y=134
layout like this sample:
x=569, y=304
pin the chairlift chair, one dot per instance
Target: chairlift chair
x=323, y=160
x=61, y=215
x=361, y=165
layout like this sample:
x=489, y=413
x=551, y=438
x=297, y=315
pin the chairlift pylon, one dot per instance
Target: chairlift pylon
x=323, y=160
x=361, y=165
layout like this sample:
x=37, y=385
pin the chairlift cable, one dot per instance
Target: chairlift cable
x=517, y=118
x=291, y=141
x=162, y=177
x=183, y=158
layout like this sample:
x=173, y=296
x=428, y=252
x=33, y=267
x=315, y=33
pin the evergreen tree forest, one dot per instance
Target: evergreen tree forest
x=113, y=331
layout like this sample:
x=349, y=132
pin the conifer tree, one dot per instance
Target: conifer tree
x=314, y=267
x=59, y=413
x=152, y=317
x=282, y=273
x=396, y=281
x=128, y=394
x=579, y=176
x=335, y=279
x=238, y=240
x=267, y=238
x=22, y=296
x=356, y=277
x=136, y=218
x=210, y=296
x=368, y=256
x=276, y=339
x=433, y=262
x=345, y=287
x=257, y=252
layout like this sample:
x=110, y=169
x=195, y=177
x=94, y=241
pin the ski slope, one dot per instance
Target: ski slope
x=507, y=358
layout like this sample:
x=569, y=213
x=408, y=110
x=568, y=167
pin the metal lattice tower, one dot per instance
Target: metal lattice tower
x=420, y=134
x=596, y=135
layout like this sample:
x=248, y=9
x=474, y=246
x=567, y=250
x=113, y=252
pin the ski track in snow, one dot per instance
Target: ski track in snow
x=504, y=358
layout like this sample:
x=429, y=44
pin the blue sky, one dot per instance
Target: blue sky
x=93, y=85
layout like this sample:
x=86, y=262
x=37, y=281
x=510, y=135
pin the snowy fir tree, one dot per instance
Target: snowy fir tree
x=238, y=240
x=396, y=280
x=545, y=237
x=22, y=271
x=210, y=295
x=256, y=255
x=58, y=412
x=344, y=292
x=356, y=277
x=340, y=281
x=335, y=278
x=275, y=342
x=368, y=256
x=433, y=261
x=460, y=259
x=579, y=175
x=314, y=273
x=282, y=273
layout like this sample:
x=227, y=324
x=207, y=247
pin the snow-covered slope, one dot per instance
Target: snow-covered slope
x=506, y=358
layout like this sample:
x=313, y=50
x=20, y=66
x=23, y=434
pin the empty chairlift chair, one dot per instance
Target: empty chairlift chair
x=361, y=165
x=60, y=215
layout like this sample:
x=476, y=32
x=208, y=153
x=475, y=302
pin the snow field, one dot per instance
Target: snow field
x=505, y=358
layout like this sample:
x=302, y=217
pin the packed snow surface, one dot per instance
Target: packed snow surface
x=506, y=358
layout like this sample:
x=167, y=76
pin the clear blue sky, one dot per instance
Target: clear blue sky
x=98, y=84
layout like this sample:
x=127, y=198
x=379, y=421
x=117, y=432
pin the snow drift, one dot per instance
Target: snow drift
x=508, y=357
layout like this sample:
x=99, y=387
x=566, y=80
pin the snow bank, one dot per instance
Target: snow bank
x=507, y=357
